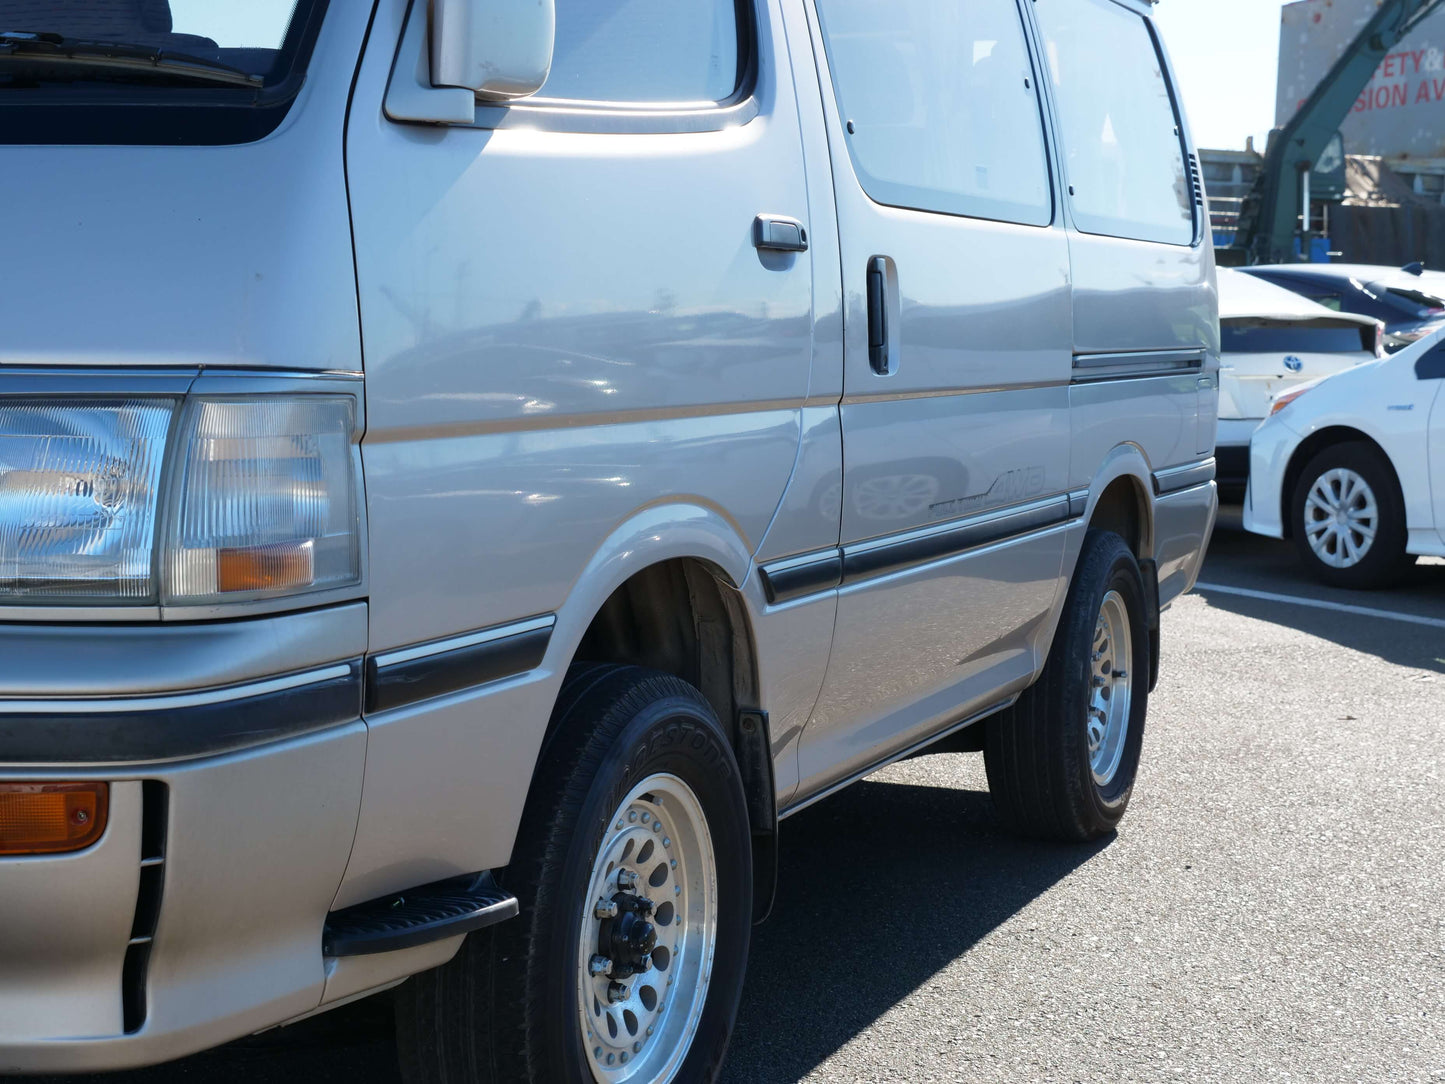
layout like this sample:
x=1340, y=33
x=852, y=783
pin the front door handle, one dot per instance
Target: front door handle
x=778, y=233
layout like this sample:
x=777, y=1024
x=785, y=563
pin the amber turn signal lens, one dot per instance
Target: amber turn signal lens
x=265, y=568
x=51, y=818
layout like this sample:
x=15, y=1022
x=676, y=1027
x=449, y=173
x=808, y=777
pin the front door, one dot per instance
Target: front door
x=957, y=363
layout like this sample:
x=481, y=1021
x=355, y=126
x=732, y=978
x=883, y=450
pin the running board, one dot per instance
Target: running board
x=417, y=917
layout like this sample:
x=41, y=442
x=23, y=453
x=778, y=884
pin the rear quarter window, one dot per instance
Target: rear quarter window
x=1123, y=151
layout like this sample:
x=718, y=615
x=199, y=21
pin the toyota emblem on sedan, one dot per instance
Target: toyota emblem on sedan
x=1293, y=364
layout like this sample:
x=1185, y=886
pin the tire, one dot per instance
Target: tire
x=1045, y=775
x=1356, y=480
x=628, y=747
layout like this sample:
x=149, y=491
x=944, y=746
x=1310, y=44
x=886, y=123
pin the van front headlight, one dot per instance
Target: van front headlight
x=79, y=486
x=201, y=501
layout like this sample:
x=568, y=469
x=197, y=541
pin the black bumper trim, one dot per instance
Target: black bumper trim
x=157, y=732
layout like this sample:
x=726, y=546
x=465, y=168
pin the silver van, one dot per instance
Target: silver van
x=470, y=469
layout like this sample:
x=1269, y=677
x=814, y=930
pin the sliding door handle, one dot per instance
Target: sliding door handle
x=881, y=355
x=777, y=233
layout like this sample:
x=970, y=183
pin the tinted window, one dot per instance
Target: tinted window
x=648, y=51
x=1412, y=302
x=1285, y=337
x=942, y=105
x=1124, y=156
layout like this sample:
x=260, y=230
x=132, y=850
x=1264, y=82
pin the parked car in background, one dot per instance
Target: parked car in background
x=470, y=468
x=1409, y=301
x=1270, y=340
x=1352, y=468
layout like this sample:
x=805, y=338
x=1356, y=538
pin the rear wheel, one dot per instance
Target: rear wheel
x=1348, y=518
x=634, y=876
x=1061, y=763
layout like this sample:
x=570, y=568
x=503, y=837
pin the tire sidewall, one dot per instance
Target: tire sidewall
x=675, y=735
x=1113, y=569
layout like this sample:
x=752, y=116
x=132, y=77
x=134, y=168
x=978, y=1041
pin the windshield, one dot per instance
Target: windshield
x=151, y=71
x=249, y=37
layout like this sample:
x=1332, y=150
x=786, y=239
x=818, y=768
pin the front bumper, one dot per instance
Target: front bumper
x=197, y=916
x=1270, y=451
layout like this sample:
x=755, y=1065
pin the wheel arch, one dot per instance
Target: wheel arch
x=1120, y=499
x=666, y=592
x=1310, y=447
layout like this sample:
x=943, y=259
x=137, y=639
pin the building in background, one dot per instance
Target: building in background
x=1400, y=115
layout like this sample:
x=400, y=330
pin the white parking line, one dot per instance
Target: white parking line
x=1317, y=604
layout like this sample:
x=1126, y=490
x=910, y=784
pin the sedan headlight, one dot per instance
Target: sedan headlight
x=260, y=502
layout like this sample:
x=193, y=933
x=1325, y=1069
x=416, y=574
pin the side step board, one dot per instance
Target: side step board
x=416, y=917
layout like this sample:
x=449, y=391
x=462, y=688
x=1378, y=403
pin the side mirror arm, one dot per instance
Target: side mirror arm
x=411, y=98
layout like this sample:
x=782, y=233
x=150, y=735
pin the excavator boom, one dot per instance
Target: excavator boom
x=1269, y=221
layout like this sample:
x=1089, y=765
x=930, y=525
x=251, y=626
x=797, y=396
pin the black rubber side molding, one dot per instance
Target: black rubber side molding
x=424, y=914
x=393, y=685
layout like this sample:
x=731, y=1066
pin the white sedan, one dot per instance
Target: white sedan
x=1270, y=341
x=1352, y=468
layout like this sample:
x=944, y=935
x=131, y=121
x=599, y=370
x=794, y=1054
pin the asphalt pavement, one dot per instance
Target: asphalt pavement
x=1271, y=909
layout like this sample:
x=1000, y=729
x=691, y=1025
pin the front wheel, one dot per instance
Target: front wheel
x=1348, y=518
x=1061, y=762
x=633, y=870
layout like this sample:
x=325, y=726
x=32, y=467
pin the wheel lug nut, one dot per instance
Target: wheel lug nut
x=599, y=965
x=1120, y=675
x=636, y=1047
x=1098, y=682
x=646, y=817
x=617, y=991
x=626, y=880
x=597, y=1052
x=649, y=1029
x=623, y=1057
x=643, y=965
x=657, y=826
x=632, y=816
x=606, y=909
x=666, y=842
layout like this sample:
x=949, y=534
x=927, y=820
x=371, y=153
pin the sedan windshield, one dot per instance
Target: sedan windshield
x=160, y=41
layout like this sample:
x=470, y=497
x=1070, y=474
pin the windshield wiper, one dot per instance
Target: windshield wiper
x=62, y=52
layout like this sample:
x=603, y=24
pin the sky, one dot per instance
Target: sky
x=1225, y=55
x=239, y=23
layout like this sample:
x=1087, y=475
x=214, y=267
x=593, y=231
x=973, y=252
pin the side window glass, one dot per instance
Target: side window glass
x=1124, y=157
x=941, y=105
x=650, y=52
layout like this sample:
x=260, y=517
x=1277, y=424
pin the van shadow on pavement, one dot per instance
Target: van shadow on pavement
x=881, y=887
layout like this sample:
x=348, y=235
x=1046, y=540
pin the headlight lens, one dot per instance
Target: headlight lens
x=1287, y=398
x=260, y=499
x=266, y=500
x=78, y=488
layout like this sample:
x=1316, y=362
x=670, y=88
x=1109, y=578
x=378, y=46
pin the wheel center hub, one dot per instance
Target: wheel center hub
x=629, y=938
